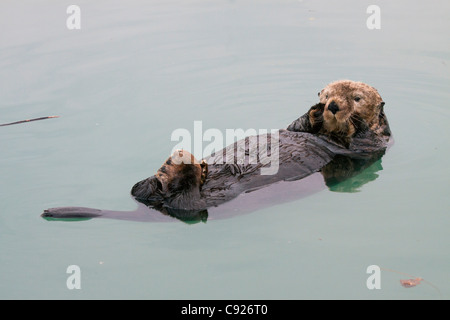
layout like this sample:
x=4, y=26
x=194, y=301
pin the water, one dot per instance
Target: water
x=137, y=71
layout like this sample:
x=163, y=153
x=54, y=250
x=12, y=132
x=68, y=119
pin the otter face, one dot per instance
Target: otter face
x=347, y=103
x=181, y=171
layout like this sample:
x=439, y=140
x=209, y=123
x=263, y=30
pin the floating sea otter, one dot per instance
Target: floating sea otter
x=338, y=138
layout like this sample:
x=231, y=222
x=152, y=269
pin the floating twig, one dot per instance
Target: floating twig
x=28, y=120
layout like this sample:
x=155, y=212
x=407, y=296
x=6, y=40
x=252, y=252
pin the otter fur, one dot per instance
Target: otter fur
x=345, y=132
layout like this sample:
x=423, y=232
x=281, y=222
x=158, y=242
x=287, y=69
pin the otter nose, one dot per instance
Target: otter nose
x=333, y=107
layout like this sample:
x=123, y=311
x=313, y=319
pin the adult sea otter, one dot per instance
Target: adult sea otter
x=338, y=138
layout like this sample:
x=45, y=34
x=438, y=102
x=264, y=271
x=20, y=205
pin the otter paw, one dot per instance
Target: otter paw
x=204, y=166
x=181, y=171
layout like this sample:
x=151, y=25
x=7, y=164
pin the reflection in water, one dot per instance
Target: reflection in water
x=342, y=174
x=187, y=216
x=345, y=174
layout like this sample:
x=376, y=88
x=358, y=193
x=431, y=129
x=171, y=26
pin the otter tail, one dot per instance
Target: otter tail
x=141, y=214
x=72, y=213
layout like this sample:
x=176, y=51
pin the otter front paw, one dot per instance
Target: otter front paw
x=204, y=166
x=310, y=122
x=181, y=171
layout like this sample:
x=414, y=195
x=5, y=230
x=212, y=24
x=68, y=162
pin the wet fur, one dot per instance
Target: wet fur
x=338, y=144
x=354, y=126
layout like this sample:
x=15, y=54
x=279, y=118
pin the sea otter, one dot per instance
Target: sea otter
x=343, y=134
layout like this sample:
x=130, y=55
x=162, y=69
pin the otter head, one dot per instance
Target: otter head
x=181, y=171
x=350, y=107
x=180, y=178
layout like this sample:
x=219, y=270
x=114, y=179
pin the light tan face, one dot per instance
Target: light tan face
x=181, y=170
x=181, y=166
x=345, y=98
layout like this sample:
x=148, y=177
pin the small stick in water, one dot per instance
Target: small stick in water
x=28, y=120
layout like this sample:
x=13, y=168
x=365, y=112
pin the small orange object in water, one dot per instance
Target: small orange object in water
x=409, y=283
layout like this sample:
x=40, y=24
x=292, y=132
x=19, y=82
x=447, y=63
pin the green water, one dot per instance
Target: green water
x=136, y=71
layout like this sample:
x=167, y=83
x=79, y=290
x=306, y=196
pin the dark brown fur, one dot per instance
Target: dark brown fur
x=359, y=115
x=339, y=136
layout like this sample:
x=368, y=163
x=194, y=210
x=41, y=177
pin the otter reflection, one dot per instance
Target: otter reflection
x=345, y=174
x=342, y=174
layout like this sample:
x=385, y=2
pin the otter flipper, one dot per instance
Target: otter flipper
x=71, y=213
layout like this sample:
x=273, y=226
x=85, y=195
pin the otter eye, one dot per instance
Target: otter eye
x=357, y=99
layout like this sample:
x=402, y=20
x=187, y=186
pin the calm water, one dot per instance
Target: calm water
x=135, y=72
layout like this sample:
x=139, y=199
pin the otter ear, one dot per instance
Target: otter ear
x=381, y=107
